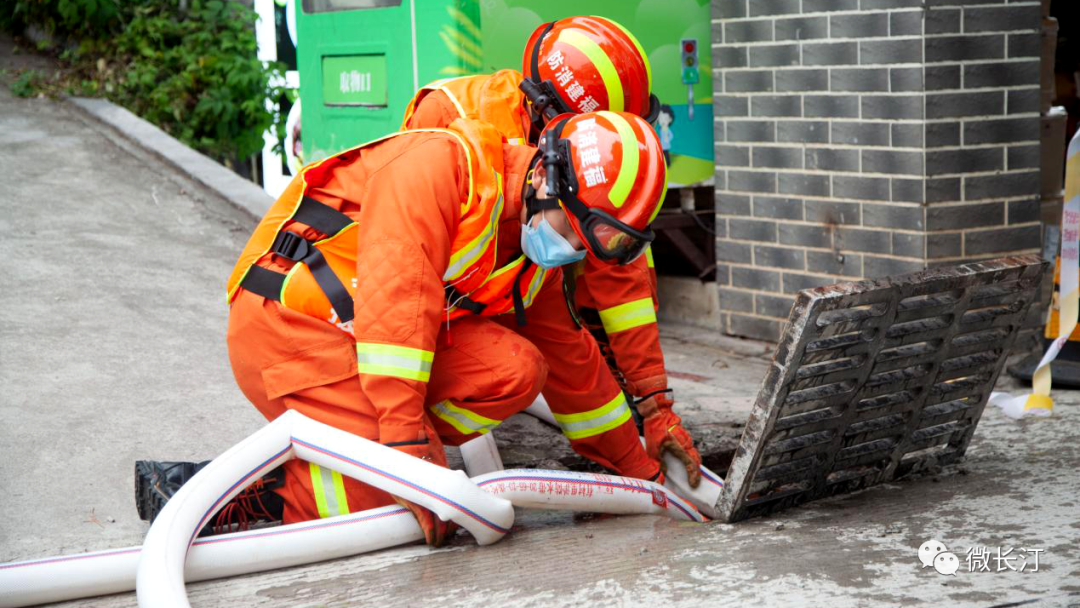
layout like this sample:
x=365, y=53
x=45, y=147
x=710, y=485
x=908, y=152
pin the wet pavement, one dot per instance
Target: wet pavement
x=112, y=349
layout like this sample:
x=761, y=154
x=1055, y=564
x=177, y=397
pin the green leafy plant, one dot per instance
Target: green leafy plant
x=27, y=84
x=197, y=78
x=189, y=67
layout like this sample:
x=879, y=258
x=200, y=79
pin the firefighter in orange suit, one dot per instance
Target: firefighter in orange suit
x=581, y=64
x=409, y=291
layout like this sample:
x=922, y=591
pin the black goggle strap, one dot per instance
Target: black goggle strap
x=546, y=102
x=534, y=61
x=654, y=109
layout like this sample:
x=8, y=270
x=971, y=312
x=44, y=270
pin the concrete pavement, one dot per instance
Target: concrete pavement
x=112, y=349
x=112, y=324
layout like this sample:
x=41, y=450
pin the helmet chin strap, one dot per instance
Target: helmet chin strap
x=533, y=202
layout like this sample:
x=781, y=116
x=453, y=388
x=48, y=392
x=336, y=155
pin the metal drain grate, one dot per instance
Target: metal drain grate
x=877, y=379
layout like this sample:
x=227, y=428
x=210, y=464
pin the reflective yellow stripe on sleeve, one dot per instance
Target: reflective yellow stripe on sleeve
x=329, y=489
x=648, y=256
x=398, y=361
x=465, y=421
x=628, y=316
x=593, y=422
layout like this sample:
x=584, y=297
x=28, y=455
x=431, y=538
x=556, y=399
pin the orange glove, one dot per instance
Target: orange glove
x=664, y=433
x=436, y=531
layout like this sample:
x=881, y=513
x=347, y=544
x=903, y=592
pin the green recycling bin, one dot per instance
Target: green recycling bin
x=360, y=61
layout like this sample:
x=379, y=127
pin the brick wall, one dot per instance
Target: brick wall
x=861, y=138
x=982, y=129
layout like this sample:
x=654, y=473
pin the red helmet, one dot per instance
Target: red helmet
x=587, y=64
x=608, y=171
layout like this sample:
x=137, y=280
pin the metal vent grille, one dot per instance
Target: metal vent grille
x=877, y=379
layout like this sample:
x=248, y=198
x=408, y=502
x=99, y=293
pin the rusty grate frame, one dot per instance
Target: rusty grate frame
x=877, y=379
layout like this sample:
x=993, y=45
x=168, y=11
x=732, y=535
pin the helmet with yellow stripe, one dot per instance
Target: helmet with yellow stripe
x=608, y=174
x=586, y=64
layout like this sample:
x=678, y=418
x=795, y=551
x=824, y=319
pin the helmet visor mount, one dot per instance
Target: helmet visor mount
x=544, y=100
x=609, y=239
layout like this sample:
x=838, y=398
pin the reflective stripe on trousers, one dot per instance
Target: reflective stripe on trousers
x=329, y=489
x=593, y=422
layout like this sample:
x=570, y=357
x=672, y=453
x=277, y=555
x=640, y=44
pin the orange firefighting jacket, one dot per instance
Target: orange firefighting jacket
x=316, y=284
x=624, y=296
x=494, y=99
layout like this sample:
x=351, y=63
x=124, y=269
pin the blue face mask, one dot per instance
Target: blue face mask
x=546, y=247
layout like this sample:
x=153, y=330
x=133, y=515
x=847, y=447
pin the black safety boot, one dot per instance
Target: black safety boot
x=157, y=482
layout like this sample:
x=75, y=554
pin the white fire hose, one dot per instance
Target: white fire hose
x=170, y=555
x=704, y=497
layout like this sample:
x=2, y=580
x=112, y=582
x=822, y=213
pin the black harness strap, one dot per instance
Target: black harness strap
x=266, y=283
x=291, y=246
x=519, y=302
x=570, y=295
x=453, y=298
x=321, y=217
